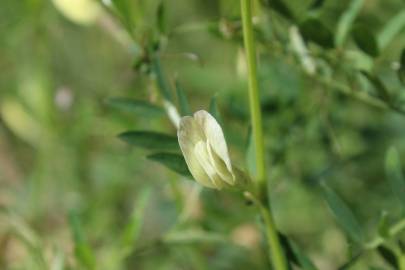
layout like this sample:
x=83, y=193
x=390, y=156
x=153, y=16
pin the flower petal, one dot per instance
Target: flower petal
x=220, y=166
x=189, y=134
x=201, y=153
x=215, y=136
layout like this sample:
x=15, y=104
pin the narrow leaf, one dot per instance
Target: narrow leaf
x=346, y=21
x=380, y=88
x=365, y=40
x=83, y=250
x=161, y=18
x=393, y=170
x=163, y=85
x=214, y=109
x=136, y=106
x=150, y=140
x=314, y=30
x=303, y=260
x=288, y=250
x=133, y=228
x=280, y=7
x=391, y=29
x=172, y=161
x=182, y=100
x=351, y=262
x=343, y=215
x=124, y=10
x=383, y=225
x=388, y=256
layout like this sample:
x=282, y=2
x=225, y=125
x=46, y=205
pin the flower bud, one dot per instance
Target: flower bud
x=203, y=145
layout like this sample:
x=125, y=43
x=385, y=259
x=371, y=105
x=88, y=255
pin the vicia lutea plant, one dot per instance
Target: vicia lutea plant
x=203, y=145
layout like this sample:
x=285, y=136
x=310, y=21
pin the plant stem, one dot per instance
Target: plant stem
x=276, y=253
x=394, y=230
x=254, y=101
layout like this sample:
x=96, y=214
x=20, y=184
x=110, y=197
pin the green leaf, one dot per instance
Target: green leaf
x=393, y=170
x=83, y=250
x=163, y=85
x=383, y=225
x=346, y=21
x=214, y=109
x=303, y=260
x=124, y=10
x=380, y=88
x=182, y=100
x=392, y=28
x=280, y=7
x=150, y=140
x=288, y=251
x=365, y=40
x=313, y=30
x=133, y=228
x=388, y=255
x=294, y=254
x=172, y=161
x=343, y=215
x=351, y=262
x=135, y=106
x=161, y=18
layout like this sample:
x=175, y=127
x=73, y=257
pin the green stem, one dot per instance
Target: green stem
x=394, y=230
x=254, y=101
x=276, y=253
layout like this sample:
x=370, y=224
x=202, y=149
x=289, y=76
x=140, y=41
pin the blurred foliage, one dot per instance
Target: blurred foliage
x=76, y=73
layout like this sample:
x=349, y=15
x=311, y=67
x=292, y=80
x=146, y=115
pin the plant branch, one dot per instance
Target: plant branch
x=394, y=230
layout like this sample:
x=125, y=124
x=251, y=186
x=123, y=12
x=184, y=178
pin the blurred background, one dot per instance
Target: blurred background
x=74, y=196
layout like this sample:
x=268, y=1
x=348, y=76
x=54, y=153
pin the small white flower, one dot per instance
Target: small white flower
x=203, y=145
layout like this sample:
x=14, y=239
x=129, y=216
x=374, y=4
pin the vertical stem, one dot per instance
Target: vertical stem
x=254, y=100
x=276, y=253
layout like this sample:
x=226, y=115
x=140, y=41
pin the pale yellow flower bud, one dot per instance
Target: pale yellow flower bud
x=203, y=145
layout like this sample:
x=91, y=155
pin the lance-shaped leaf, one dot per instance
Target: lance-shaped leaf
x=294, y=254
x=83, y=250
x=182, y=100
x=365, y=40
x=379, y=86
x=314, y=30
x=343, y=215
x=175, y=162
x=346, y=21
x=304, y=261
x=135, y=106
x=214, y=109
x=150, y=140
x=124, y=10
x=162, y=83
x=281, y=7
x=161, y=18
x=351, y=262
x=393, y=170
x=389, y=256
